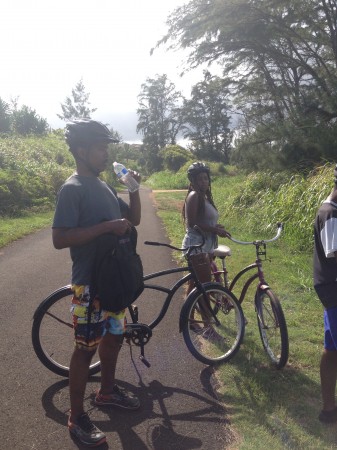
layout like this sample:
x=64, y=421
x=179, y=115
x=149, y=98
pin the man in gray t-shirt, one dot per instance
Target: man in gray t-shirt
x=83, y=202
x=86, y=209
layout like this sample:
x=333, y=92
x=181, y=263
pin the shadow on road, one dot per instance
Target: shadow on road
x=153, y=426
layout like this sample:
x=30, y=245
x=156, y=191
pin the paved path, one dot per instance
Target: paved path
x=180, y=409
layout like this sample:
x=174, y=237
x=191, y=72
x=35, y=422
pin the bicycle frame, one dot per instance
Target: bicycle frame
x=140, y=328
x=259, y=274
x=256, y=265
x=168, y=291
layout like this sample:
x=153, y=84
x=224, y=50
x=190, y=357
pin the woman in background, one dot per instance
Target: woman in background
x=199, y=209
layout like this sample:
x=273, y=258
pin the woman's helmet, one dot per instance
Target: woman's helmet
x=87, y=132
x=195, y=169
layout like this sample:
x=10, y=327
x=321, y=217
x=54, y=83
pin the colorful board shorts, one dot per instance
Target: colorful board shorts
x=87, y=337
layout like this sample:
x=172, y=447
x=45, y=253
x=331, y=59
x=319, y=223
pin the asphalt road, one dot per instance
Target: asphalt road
x=180, y=407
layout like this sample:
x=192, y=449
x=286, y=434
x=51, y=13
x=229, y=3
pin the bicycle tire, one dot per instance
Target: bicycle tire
x=208, y=342
x=53, y=335
x=272, y=327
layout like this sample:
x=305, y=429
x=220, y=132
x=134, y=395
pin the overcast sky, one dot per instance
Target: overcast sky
x=48, y=46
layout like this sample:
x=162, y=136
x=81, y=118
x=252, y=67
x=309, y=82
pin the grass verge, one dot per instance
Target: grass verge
x=269, y=408
x=13, y=228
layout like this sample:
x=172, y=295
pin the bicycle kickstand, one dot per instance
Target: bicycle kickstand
x=142, y=357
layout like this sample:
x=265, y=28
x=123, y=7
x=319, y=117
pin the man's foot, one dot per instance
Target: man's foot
x=328, y=416
x=119, y=397
x=86, y=431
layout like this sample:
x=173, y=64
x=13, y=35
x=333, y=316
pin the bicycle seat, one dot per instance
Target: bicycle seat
x=222, y=251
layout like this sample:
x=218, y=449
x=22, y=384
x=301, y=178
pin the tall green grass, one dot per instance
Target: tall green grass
x=270, y=408
x=267, y=198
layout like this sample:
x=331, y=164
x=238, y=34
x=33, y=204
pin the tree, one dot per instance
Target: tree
x=5, y=117
x=281, y=58
x=206, y=115
x=175, y=156
x=78, y=105
x=116, y=134
x=159, y=118
x=26, y=121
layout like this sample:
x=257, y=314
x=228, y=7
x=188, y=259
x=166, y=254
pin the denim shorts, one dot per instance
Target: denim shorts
x=330, y=329
x=88, y=337
x=192, y=237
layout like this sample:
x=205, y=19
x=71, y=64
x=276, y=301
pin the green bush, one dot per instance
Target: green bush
x=168, y=179
x=32, y=170
x=175, y=156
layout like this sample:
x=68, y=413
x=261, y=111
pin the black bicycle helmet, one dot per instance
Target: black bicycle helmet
x=87, y=132
x=195, y=169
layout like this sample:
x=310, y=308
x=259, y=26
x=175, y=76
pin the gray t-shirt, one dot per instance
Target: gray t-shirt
x=83, y=202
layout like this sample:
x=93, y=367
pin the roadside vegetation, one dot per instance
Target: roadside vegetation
x=32, y=169
x=273, y=114
x=268, y=408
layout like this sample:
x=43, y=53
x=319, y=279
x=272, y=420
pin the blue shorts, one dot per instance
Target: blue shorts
x=330, y=329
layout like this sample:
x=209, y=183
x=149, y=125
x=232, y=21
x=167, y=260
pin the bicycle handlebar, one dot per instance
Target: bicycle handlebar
x=264, y=241
x=189, y=249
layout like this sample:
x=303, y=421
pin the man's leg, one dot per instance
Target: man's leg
x=328, y=372
x=86, y=341
x=328, y=367
x=78, y=377
x=110, y=394
x=108, y=353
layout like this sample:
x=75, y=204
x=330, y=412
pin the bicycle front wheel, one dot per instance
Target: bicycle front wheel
x=212, y=338
x=53, y=334
x=272, y=327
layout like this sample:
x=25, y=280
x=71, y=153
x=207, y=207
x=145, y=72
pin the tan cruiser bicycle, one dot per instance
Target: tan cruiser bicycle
x=270, y=317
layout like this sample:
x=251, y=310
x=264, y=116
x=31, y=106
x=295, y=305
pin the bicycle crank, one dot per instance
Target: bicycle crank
x=140, y=335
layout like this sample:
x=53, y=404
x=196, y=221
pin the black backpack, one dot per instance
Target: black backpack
x=117, y=277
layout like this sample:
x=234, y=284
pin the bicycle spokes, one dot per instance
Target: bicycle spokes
x=217, y=336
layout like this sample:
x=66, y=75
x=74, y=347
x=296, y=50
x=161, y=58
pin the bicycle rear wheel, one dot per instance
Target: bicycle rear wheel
x=272, y=327
x=53, y=335
x=209, y=341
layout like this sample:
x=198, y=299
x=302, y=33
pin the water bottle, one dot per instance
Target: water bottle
x=124, y=175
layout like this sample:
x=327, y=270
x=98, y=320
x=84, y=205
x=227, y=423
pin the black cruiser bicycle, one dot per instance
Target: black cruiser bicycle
x=211, y=321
